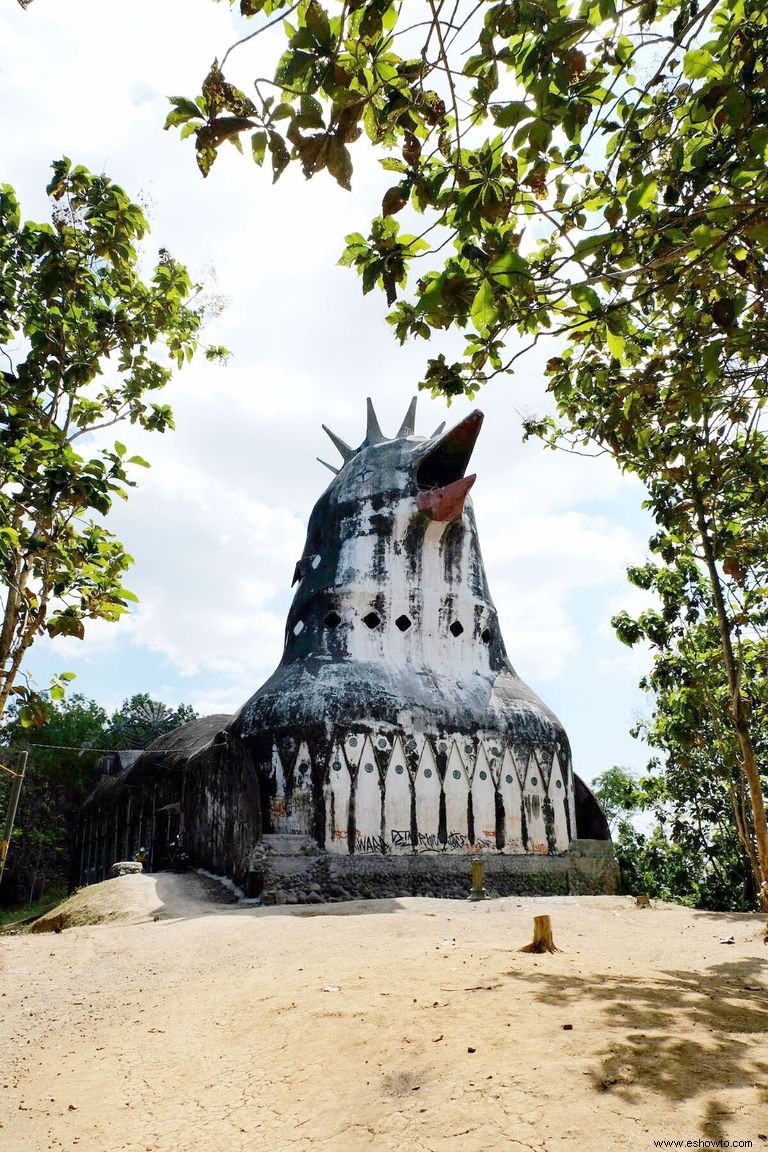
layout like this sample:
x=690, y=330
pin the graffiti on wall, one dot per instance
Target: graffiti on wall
x=435, y=795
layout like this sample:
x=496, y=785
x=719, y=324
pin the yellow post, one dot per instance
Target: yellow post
x=479, y=891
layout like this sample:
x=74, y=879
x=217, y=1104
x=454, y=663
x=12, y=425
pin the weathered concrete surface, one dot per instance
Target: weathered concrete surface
x=593, y=868
x=126, y=868
x=395, y=724
x=289, y=875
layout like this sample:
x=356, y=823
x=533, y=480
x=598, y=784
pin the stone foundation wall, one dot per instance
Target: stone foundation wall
x=594, y=869
x=291, y=870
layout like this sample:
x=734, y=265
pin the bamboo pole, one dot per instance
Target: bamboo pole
x=13, y=803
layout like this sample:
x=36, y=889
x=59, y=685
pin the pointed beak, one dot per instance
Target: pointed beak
x=445, y=503
x=442, y=485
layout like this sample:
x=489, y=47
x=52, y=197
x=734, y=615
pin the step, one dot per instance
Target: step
x=288, y=843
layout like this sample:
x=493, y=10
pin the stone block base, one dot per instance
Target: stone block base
x=593, y=868
x=298, y=872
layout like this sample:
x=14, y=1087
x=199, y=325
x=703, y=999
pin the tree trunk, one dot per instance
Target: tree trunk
x=743, y=828
x=748, y=760
x=542, y=936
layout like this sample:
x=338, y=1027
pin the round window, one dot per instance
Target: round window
x=399, y=769
x=456, y=774
x=369, y=767
x=483, y=775
x=427, y=773
x=508, y=779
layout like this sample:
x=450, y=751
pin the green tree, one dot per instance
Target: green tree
x=691, y=722
x=82, y=336
x=696, y=440
x=675, y=837
x=596, y=173
x=62, y=755
x=62, y=767
x=140, y=720
x=617, y=794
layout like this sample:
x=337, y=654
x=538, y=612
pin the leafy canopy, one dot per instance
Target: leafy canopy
x=591, y=169
x=86, y=343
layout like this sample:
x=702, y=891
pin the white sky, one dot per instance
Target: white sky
x=218, y=522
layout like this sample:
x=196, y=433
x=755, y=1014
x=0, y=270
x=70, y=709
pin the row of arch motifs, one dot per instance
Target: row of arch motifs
x=525, y=779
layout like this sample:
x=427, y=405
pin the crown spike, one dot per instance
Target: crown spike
x=409, y=422
x=438, y=430
x=327, y=465
x=373, y=434
x=345, y=450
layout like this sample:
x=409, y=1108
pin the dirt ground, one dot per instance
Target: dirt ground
x=409, y=1025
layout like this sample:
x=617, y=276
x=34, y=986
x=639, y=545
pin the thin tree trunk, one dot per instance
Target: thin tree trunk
x=743, y=830
x=748, y=763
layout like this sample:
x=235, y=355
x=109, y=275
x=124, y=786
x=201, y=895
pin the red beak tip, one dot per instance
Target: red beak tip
x=446, y=504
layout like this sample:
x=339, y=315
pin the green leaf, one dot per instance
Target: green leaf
x=310, y=113
x=644, y=194
x=508, y=266
x=624, y=49
x=511, y=114
x=587, y=298
x=318, y=24
x=616, y=344
x=339, y=163
x=279, y=153
x=697, y=63
x=592, y=244
x=483, y=311
x=259, y=147
x=282, y=111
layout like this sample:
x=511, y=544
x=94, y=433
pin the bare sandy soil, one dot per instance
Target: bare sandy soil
x=410, y=1025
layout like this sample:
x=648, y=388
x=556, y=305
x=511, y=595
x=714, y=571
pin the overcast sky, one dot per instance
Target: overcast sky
x=218, y=522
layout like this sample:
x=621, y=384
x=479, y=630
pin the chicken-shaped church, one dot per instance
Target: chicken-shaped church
x=395, y=738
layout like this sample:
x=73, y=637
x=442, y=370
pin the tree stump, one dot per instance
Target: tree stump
x=542, y=936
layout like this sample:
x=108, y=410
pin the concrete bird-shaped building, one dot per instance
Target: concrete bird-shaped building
x=395, y=721
x=394, y=739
